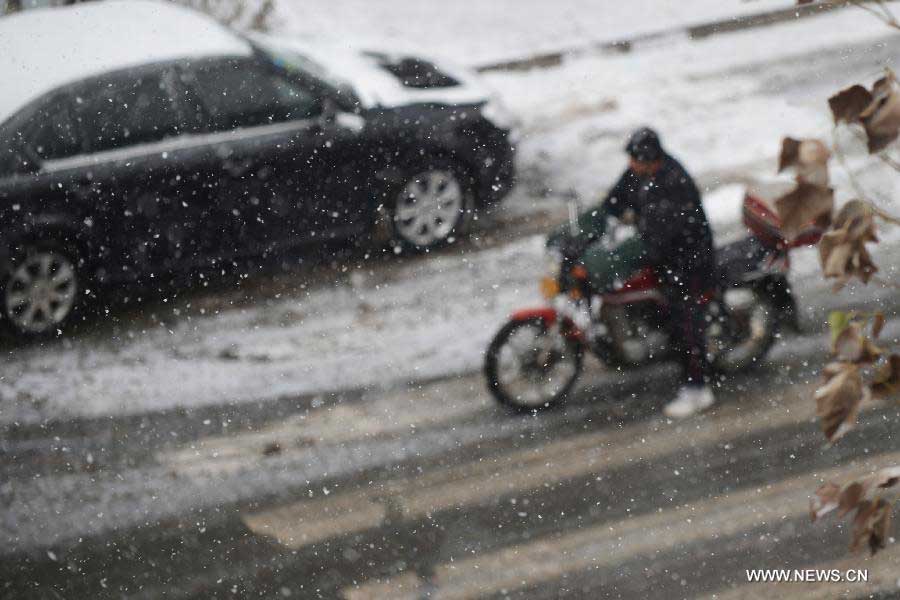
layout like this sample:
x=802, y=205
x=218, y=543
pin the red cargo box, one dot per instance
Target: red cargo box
x=763, y=222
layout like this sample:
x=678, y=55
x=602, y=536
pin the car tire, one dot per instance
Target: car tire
x=41, y=290
x=432, y=206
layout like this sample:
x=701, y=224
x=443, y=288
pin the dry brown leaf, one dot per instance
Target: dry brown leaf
x=834, y=254
x=883, y=85
x=884, y=478
x=877, y=110
x=877, y=324
x=842, y=250
x=812, y=162
x=847, y=104
x=825, y=500
x=832, y=496
x=838, y=400
x=861, y=265
x=809, y=158
x=881, y=118
x=871, y=525
x=886, y=382
x=850, y=345
x=872, y=520
x=870, y=352
x=847, y=343
x=790, y=153
x=858, y=219
x=803, y=205
x=850, y=497
x=833, y=369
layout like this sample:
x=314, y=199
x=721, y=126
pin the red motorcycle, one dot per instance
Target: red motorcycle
x=535, y=359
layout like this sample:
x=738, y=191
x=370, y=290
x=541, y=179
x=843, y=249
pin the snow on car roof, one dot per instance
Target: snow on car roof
x=43, y=49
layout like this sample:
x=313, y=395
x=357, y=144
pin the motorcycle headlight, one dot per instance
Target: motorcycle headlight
x=553, y=262
x=549, y=284
x=549, y=287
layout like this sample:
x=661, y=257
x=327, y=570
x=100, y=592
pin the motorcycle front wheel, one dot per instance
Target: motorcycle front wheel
x=531, y=366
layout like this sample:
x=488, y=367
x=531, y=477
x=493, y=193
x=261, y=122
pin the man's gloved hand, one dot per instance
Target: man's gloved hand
x=572, y=248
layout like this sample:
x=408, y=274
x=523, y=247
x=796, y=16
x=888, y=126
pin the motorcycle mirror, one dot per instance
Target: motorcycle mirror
x=574, y=207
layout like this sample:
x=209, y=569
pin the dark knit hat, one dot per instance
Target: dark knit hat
x=644, y=145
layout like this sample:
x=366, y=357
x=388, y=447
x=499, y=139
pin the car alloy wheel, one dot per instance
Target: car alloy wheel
x=429, y=208
x=41, y=292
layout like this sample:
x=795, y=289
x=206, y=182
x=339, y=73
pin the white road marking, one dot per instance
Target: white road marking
x=609, y=544
x=397, y=413
x=515, y=472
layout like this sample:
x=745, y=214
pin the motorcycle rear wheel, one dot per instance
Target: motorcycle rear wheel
x=530, y=366
x=741, y=331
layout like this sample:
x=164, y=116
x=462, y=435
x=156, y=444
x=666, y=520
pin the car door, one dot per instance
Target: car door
x=342, y=199
x=42, y=134
x=263, y=129
x=138, y=172
x=332, y=163
x=101, y=152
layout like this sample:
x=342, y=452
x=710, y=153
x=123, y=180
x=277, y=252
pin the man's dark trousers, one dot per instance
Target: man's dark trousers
x=687, y=294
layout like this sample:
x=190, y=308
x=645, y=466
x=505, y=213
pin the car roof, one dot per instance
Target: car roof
x=46, y=48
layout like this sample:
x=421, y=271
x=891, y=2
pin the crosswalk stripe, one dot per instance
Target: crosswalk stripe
x=607, y=545
x=390, y=414
x=522, y=470
x=301, y=524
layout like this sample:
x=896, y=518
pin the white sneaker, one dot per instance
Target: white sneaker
x=690, y=401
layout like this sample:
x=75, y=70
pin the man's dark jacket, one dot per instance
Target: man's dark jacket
x=670, y=218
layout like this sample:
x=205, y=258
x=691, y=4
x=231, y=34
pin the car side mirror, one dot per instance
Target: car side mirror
x=333, y=114
x=329, y=110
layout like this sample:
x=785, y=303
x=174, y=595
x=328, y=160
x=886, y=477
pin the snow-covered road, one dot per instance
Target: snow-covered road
x=298, y=433
x=474, y=32
x=722, y=104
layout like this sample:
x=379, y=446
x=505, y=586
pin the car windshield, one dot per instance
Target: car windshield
x=292, y=60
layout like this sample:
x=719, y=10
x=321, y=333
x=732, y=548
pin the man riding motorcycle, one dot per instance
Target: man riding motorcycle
x=674, y=238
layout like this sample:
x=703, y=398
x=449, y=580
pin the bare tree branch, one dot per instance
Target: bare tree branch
x=854, y=182
x=884, y=14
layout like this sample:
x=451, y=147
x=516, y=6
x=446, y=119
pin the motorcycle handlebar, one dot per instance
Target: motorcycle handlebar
x=574, y=206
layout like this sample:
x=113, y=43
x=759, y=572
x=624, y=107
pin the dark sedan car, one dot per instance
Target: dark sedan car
x=159, y=151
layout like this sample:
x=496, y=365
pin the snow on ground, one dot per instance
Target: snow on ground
x=722, y=105
x=475, y=32
x=435, y=316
